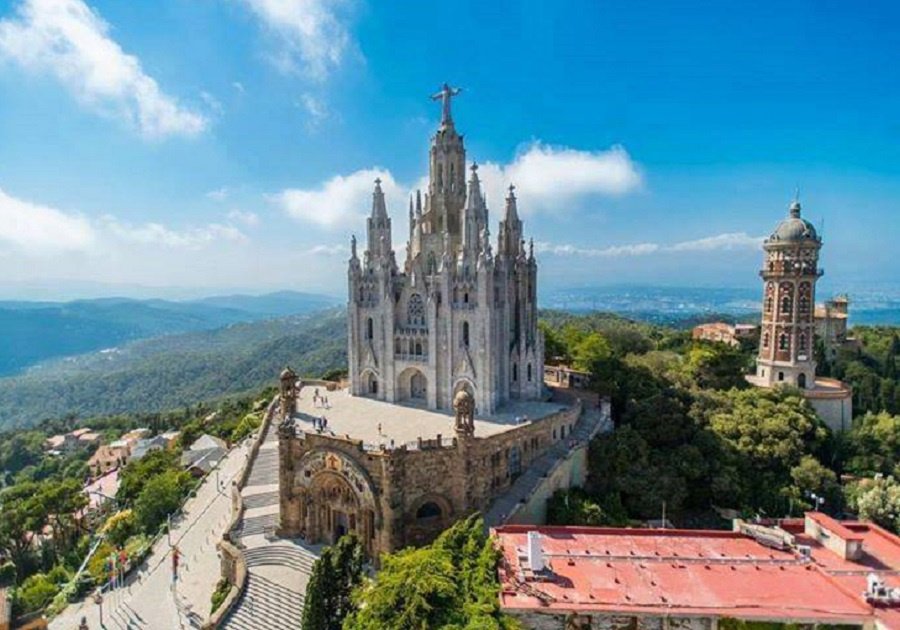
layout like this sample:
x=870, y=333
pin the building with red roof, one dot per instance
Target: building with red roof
x=815, y=572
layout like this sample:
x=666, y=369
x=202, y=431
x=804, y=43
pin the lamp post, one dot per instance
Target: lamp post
x=98, y=599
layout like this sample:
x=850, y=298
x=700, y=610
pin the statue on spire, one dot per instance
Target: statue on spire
x=444, y=96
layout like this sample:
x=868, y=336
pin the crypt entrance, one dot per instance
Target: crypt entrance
x=335, y=498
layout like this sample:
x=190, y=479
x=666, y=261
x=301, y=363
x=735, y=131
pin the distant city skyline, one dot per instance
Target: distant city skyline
x=229, y=146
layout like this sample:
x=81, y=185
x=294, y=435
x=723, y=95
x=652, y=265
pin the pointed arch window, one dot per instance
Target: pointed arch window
x=370, y=329
x=801, y=342
x=783, y=342
x=529, y=372
x=415, y=310
x=786, y=304
x=465, y=334
x=765, y=340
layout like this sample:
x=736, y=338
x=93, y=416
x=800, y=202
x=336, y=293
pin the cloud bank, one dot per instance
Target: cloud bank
x=68, y=40
x=312, y=36
x=729, y=241
x=548, y=179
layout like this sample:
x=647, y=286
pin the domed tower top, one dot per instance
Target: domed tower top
x=794, y=228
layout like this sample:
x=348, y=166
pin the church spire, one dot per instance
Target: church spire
x=379, y=225
x=510, y=228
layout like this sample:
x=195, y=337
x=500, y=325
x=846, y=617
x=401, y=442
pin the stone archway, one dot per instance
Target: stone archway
x=412, y=386
x=336, y=497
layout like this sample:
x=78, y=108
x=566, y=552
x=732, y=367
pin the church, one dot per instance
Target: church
x=446, y=412
x=455, y=314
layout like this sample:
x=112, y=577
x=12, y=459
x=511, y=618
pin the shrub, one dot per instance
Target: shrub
x=36, y=592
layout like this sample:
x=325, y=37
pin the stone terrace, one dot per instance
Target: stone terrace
x=359, y=417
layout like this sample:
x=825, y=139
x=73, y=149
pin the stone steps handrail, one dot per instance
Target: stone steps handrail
x=226, y=546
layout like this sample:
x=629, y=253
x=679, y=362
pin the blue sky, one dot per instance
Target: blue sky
x=211, y=145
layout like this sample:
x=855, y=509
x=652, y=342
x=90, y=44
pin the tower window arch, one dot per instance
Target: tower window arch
x=769, y=304
x=786, y=304
x=529, y=372
x=370, y=329
x=465, y=334
x=765, y=340
x=783, y=342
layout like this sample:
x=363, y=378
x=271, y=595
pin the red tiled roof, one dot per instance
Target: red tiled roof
x=693, y=572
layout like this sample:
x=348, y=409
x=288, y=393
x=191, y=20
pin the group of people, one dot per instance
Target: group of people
x=320, y=401
x=320, y=424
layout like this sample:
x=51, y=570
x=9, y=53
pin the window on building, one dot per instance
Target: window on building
x=768, y=305
x=415, y=310
x=514, y=463
x=781, y=376
x=786, y=304
x=529, y=372
x=429, y=510
x=465, y=334
x=466, y=297
x=801, y=342
x=418, y=349
x=515, y=370
x=370, y=329
x=765, y=340
x=801, y=381
x=783, y=342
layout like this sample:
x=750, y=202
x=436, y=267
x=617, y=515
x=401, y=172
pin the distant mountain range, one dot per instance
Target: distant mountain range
x=174, y=371
x=32, y=332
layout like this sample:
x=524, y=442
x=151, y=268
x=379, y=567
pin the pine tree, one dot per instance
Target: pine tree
x=335, y=575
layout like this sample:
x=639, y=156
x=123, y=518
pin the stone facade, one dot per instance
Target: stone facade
x=455, y=315
x=787, y=333
x=394, y=497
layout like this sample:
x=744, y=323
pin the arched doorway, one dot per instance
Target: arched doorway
x=370, y=384
x=801, y=380
x=334, y=495
x=412, y=386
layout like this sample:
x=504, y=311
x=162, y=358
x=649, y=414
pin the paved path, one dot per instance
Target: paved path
x=591, y=422
x=278, y=569
x=148, y=602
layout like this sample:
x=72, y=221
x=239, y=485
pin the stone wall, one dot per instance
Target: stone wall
x=410, y=493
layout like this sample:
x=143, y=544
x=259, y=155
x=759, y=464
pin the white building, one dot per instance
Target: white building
x=455, y=315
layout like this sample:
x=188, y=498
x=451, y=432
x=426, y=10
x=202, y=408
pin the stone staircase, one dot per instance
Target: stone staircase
x=266, y=605
x=591, y=422
x=277, y=570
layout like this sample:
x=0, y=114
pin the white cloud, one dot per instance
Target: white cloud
x=69, y=40
x=550, y=178
x=249, y=219
x=158, y=234
x=721, y=242
x=313, y=37
x=237, y=85
x=316, y=109
x=342, y=201
x=615, y=251
x=329, y=250
x=547, y=178
x=219, y=194
x=728, y=241
x=36, y=229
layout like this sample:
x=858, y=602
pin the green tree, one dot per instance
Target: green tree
x=337, y=572
x=160, y=497
x=35, y=593
x=139, y=472
x=450, y=584
x=717, y=366
x=589, y=350
x=878, y=500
